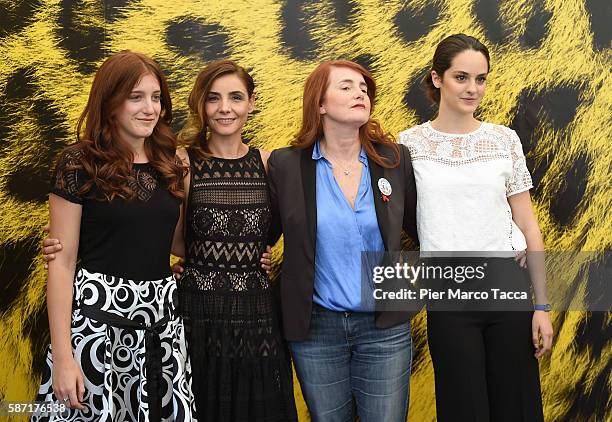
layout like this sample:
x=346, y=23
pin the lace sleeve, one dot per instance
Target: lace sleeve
x=67, y=177
x=403, y=138
x=411, y=140
x=520, y=179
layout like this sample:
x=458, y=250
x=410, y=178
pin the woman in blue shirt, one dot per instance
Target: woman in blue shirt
x=343, y=188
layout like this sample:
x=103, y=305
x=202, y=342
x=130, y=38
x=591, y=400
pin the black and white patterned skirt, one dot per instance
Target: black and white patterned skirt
x=130, y=344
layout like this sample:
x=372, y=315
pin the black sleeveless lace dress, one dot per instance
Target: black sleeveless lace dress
x=241, y=368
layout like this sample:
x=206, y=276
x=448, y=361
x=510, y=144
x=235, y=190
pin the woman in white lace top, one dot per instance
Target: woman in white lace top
x=473, y=195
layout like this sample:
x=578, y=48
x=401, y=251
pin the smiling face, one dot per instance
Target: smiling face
x=463, y=84
x=345, y=101
x=227, y=105
x=139, y=114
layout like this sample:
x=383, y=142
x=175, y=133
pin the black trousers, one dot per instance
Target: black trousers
x=484, y=366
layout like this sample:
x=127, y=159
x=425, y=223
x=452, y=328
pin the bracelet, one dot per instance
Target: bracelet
x=545, y=307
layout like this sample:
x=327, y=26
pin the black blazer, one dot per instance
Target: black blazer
x=292, y=177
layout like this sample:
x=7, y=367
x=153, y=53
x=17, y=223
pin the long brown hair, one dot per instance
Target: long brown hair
x=104, y=157
x=370, y=133
x=195, y=133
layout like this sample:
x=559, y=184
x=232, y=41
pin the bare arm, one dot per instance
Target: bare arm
x=65, y=222
x=65, y=226
x=525, y=219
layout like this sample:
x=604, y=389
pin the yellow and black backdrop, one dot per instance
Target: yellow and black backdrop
x=550, y=81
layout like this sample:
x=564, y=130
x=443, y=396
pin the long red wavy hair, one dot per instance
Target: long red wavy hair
x=370, y=133
x=105, y=158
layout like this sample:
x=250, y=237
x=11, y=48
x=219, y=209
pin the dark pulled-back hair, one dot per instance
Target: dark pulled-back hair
x=312, y=123
x=445, y=52
x=102, y=154
x=195, y=133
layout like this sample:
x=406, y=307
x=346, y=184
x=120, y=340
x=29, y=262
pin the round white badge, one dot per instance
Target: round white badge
x=384, y=186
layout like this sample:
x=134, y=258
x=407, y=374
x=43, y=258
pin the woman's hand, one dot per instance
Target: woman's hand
x=68, y=382
x=542, y=333
x=177, y=268
x=266, y=259
x=521, y=259
x=50, y=247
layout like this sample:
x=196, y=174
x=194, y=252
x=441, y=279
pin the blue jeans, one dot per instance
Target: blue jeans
x=346, y=356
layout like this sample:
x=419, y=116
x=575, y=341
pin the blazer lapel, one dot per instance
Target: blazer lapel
x=309, y=186
x=382, y=209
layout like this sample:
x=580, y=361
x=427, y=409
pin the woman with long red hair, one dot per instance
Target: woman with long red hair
x=343, y=188
x=117, y=344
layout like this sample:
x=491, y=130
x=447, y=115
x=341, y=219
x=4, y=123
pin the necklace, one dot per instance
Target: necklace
x=346, y=168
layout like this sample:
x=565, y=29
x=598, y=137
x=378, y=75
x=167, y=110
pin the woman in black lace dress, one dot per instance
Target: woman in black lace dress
x=117, y=343
x=242, y=371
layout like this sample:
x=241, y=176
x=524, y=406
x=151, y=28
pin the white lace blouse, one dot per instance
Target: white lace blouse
x=463, y=181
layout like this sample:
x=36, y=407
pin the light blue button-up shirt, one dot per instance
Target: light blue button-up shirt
x=342, y=234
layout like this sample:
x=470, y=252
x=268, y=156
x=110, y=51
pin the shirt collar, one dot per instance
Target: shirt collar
x=317, y=154
x=316, y=151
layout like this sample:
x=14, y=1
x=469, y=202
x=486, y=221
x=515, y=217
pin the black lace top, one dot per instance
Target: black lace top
x=231, y=326
x=227, y=222
x=126, y=238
